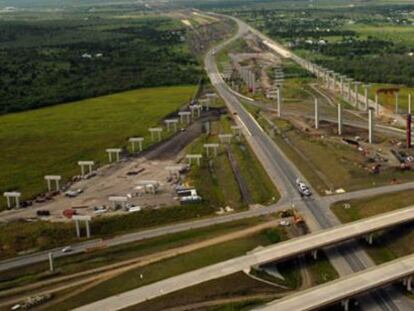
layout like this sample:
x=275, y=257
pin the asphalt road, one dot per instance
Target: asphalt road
x=344, y=288
x=276, y=252
x=347, y=259
x=352, y=257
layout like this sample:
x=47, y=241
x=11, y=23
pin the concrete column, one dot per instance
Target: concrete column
x=334, y=80
x=316, y=114
x=315, y=254
x=369, y=238
x=339, y=119
x=349, y=90
x=49, y=185
x=356, y=99
x=341, y=85
x=17, y=202
x=82, y=170
x=88, y=230
x=409, y=283
x=366, y=89
x=8, y=202
x=371, y=125
x=345, y=304
x=279, y=102
x=377, y=103
x=397, y=102
x=77, y=228
x=51, y=267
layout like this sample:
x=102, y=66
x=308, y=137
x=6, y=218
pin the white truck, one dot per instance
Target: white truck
x=303, y=188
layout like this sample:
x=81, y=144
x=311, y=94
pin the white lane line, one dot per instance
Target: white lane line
x=254, y=120
x=244, y=126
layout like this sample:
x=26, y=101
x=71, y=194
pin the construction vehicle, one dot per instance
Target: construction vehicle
x=297, y=218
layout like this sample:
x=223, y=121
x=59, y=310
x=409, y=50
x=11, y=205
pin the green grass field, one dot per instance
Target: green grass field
x=395, y=33
x=52, y=140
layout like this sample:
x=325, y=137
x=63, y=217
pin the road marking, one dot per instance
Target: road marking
x=254, y=120
x=244, y=125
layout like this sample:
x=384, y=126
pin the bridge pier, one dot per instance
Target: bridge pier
x=345, y=304
x=369, y=238
x=315, y=254
x=407, y=282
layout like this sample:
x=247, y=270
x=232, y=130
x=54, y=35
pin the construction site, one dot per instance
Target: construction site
x=150, y=179
x=340, y=143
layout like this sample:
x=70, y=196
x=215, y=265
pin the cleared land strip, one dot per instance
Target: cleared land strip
x=345, y=287
x=272, y=253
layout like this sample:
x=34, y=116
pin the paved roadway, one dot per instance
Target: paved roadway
x=138, y=236
x=346, y=259
x=282, y=172
x=346, y=287
x=271, y=253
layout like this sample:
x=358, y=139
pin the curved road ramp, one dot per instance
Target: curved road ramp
x=308, y=243
x=344, y=288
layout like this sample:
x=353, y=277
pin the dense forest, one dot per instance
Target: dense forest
x=53, y=61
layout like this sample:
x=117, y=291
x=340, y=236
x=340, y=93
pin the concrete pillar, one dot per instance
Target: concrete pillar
x=49, y=185
x=377, y=103
x=339, y=119
x=88, y=230
x=341, y=85
x=17, y=202
x=349, y=90
x=397, y=102
x=316, y=114
x=315, y=254
x=77, y=228
x=345, y=304
x=279, y=101
x=371, y=125
x=366, y=90
x=369, y=238
x=51, y=267
x=335, y=75
x=356, y=90
x=409, y=283
x=8, y=202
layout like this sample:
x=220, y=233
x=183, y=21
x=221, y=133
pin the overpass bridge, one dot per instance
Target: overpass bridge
x=277, y=252
x=343, y=289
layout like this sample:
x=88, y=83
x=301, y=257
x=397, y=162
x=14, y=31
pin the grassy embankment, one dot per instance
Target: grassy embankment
x=52, y=140
x=390, y=244
x=168, y=268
